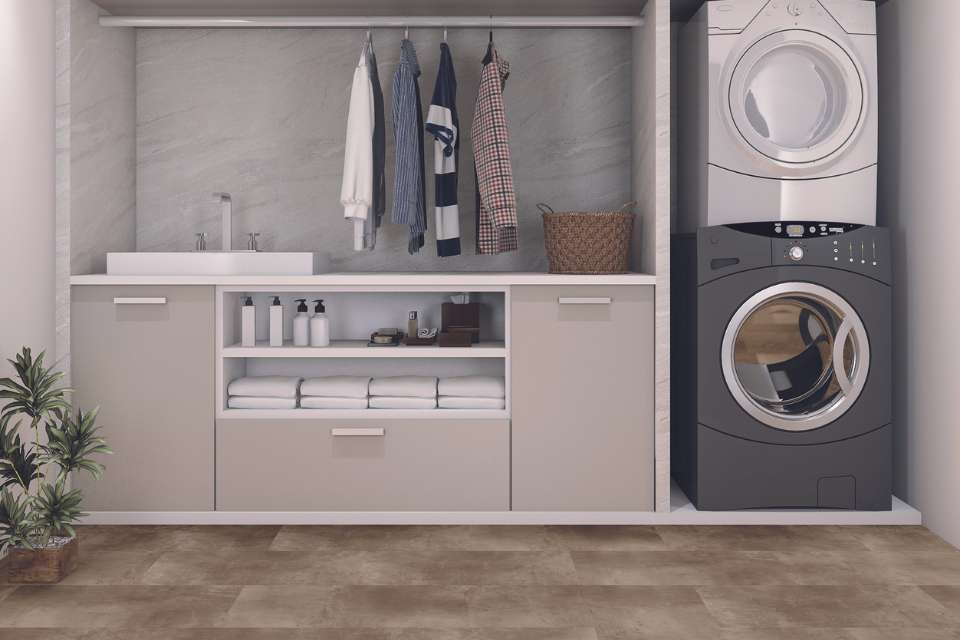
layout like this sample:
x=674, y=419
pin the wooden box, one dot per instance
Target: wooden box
x=42, y=566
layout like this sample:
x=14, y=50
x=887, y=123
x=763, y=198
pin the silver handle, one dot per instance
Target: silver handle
x=839, y=366
x=585, y=300
x=359, y=432
x=139, y=301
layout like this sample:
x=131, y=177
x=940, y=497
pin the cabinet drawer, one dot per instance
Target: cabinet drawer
x=363, y=465
x=582, y=377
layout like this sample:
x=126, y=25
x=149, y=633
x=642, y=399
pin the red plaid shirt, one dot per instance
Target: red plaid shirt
x=496, y=198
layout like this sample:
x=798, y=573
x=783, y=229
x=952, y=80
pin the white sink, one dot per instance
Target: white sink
x=212, y=263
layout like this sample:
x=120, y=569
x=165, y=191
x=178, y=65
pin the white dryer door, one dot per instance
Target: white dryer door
x=796, y=97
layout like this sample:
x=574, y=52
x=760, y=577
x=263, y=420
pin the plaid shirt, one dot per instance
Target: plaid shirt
x=496, y=199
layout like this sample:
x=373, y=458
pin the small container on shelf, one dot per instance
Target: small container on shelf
x=461, y=318
x=301, y=324
x=276, y=323
x=248, y=323
x=319, y=326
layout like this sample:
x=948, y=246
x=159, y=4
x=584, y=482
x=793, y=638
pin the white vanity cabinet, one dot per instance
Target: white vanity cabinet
x=583, y=398
x=145, y=356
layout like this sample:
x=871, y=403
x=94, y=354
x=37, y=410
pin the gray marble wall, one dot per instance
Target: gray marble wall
x=262, y=114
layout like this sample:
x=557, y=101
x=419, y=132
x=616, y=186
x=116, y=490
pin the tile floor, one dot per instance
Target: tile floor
x=486, y=583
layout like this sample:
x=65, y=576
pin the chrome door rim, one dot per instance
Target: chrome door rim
x=851, y=324
x=849, y=126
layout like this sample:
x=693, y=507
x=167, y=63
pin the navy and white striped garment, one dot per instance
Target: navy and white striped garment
x=409, y=206
x=444, y=125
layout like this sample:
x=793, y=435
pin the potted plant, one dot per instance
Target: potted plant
x=37, y=506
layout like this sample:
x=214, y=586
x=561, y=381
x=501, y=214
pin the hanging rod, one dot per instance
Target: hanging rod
x=375, y=22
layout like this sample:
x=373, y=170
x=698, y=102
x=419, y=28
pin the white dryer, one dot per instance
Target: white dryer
x=778, y=112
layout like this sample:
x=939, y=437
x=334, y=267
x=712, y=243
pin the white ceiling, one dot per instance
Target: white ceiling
x=372, y=7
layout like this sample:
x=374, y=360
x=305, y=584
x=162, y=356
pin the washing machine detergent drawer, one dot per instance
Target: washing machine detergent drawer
x=744, y=474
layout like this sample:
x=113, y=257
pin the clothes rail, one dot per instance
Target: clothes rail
x=375, y=22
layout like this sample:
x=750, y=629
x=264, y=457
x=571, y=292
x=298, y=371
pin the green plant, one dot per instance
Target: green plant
x=35, y=501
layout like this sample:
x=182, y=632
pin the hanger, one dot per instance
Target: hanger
x=487, y=59
x=406, y=33
x=444, y=34
x=491, y=30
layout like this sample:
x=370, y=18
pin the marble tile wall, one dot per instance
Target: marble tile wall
x=261, y=114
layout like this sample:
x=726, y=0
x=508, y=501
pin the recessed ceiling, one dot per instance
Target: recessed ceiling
x=371, y=7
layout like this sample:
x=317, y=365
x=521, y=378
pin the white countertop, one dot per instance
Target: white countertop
x=392, y=279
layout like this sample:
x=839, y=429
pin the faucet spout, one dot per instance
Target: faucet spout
x=226, y=217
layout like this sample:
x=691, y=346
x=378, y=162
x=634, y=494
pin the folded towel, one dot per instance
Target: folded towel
x=404, y=387
x=473, y=387
x=336, y=387
x=311, y=402
x=454, y=402
x=383, y=402
x=265, y=387
x=250, y=402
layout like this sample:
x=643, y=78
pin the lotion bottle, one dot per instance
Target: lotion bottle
x=276, y=323
x=301, y=324
x=319, y=327
x=248, y=323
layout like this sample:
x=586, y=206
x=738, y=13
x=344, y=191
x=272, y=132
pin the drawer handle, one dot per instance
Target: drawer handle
x=359, y=432
x=585, y=300
x=139, y=301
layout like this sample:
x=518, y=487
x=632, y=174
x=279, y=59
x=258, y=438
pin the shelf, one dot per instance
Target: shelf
x=364, y=414
x=359, y=349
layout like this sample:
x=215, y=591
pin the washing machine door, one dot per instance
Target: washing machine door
x=796, y=97
x=795, y=356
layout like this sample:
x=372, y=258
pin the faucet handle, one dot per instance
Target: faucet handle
x=201, y=241
x=252, y=241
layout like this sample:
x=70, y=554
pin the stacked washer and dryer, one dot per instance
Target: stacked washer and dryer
x=781, y=280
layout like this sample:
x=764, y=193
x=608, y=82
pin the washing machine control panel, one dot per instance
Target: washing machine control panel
x=796, y=229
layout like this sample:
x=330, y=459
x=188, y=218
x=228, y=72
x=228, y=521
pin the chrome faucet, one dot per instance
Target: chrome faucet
x=226, y=216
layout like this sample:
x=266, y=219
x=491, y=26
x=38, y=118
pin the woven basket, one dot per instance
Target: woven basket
x=594, y=242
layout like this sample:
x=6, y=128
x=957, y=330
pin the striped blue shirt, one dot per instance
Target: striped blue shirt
x=409, y=205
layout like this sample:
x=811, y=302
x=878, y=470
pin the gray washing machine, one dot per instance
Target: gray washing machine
x=781, y=361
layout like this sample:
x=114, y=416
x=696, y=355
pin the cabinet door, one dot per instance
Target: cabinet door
x=145, y=356
x=582, y=378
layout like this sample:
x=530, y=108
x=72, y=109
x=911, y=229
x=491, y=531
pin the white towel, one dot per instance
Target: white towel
x=265, y=387
x=356, y=191
x=333, y=403
x=384, y=402
x=336, y=387
x=404, y=387
x=473, y=387
x=453, y=402
x=249, y=402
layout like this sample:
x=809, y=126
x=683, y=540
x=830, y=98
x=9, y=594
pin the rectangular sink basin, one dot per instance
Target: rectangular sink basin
x=212, y=263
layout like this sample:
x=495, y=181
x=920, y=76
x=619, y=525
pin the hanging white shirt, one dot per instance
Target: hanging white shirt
x=356, y=192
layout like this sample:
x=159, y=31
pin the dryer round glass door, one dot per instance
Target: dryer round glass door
x=795, y=356
x=796, y=97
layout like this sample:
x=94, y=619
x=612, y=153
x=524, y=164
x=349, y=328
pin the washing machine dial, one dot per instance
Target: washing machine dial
x=795, y=253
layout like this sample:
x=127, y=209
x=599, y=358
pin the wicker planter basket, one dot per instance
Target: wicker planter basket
x=42, y=566
x=588, y=242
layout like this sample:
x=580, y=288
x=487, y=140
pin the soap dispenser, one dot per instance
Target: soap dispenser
x=319, y=326
x=301, y=324
x=248, y=323
x=276, y=323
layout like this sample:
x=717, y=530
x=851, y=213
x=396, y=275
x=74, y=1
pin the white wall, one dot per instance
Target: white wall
x=920, y=201
x=26, y=176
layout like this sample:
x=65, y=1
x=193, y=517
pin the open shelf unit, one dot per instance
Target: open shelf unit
x=354, y=313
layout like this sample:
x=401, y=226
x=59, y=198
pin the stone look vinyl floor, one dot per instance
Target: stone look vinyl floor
x=486, y=583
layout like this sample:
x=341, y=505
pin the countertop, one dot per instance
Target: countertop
x=466, y=279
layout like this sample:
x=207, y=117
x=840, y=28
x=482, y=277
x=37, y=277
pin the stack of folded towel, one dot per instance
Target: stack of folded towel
x=335, y=392
x=403, y=392
x=472, y=392
x=265, y=392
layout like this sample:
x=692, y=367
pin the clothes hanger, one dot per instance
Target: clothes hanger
x=406, y=33
x=444, y=35
x=487, y=59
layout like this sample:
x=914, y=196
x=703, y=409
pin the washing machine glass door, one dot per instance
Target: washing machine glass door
x=796, y=97
x=795, y=356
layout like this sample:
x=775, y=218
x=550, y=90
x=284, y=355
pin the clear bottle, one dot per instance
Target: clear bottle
x=301, y=324
x=276, y=323
x=248, y=323
x=319, y=326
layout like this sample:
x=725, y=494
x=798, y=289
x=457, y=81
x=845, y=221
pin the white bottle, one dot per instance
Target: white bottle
x=319, y=327
x=301, y=324
x=248, y=323
x=276, y=323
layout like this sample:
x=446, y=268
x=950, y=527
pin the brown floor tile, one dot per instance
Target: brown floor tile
x=905, y=634
x=281, y=607
x=614, y=538
x=5, y=591
x=257, y=567
x=401, y=606
x=157, y=538
x=908, y=567
x=517, y=607
x=75, y=607
x=895, y=538
x=105, y=567
x=647, y=613
x=948, y=596
x=825, y=606
x=789, y=633
x=491, y=538
x=760, y=538
x=412, y=538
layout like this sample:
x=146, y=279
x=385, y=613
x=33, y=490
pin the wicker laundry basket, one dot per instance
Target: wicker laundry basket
x=588, y=242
